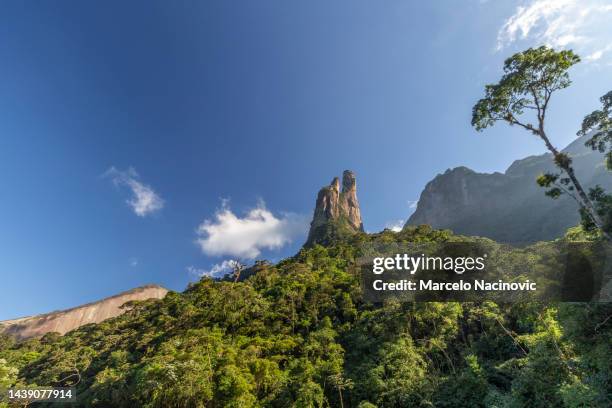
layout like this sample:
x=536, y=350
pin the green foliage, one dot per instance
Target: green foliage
x=298, y=334
x=599, y=122
x=602, y=202
x=576, y=394
x=579, y=233
x=8, y=374
x=466, y=389
x=556, y=185
x=530, y=77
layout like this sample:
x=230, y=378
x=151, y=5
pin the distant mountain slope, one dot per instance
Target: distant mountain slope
x=508, y=207
x=66, y=320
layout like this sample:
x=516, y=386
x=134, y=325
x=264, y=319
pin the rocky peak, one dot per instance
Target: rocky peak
x=349, y=183
x=335, y=184
x=337, y=211
x=508, y=207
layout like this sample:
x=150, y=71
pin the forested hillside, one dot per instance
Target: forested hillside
x=297, y=334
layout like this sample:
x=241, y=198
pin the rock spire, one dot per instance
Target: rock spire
x=336, y=212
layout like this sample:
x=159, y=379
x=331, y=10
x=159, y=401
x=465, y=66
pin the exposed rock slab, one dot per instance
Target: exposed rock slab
x=67, y=320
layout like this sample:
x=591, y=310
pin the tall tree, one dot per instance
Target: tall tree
x=530, y=79
x=598, y=124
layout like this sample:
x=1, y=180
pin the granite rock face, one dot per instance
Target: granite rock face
x=336, y=211
x=67, y=320
x=508, y=207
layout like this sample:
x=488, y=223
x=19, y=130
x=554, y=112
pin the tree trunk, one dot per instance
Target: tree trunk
x=586, y=203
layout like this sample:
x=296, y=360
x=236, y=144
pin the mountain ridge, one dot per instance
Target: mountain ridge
x=508, y=207
x=63, y=321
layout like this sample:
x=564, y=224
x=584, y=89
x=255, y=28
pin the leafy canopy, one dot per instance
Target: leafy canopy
x=530, y=77
x=299, y=334
x=600, y=123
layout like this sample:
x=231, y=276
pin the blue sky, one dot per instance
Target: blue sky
x=147, y=142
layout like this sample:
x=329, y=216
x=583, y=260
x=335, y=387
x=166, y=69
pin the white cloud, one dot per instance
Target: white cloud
x=196, y=272
x=133, y=262
x=582, y=25
x=228, y=234
x=594, y=56
x=398, y=225
x=144, y=200
x=216, y=271
x=395, y=226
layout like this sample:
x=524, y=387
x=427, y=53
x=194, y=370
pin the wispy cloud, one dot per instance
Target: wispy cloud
x=398, y=225
x=144, y=200
x=216, y=271
x=133, y=262
x=583, y=25
x=244, y=238
x=596, y=55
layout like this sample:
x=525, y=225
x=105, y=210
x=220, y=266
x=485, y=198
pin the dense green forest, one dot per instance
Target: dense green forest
x=298, y=334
